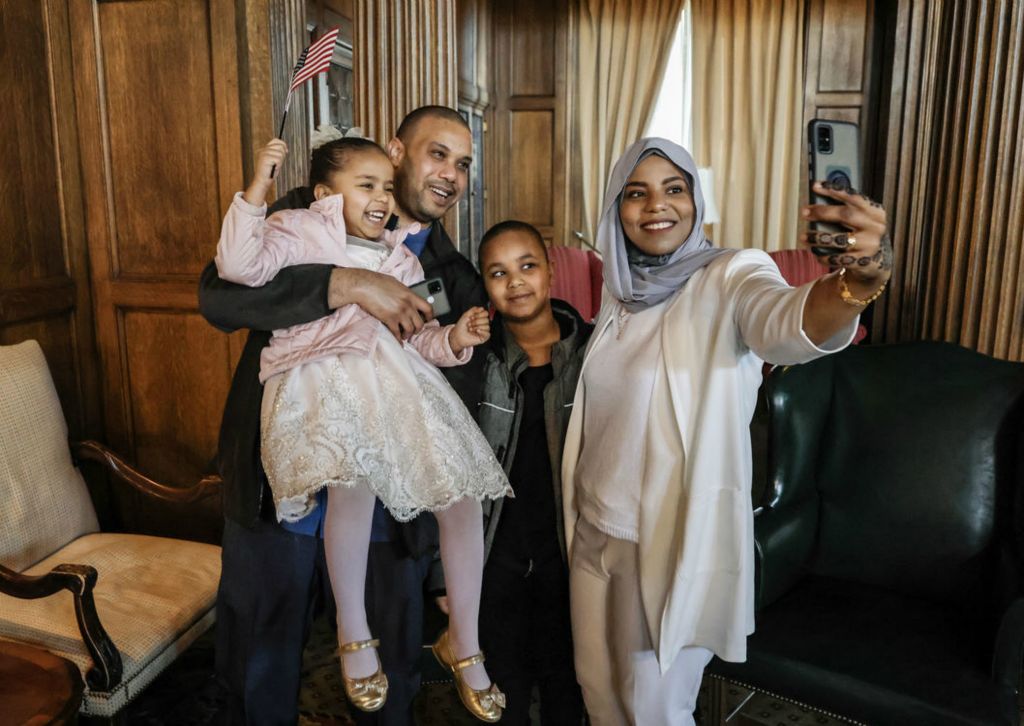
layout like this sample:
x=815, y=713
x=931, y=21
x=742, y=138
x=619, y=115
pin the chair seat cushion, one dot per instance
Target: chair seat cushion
x=871, y=655
x=154, y=596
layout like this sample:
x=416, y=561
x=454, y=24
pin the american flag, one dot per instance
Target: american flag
x=314, y=59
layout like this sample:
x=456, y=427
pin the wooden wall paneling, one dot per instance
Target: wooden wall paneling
x=473, y=23
x=158, y=113
x=44, y=284
x=255, y=87
x=533, y=130
x=288, y=36
x=839, y=71
x=317, y=11
x=256, y=102
x=532, y=116
x=533, y=50
x=844, y=43
x=404, y=58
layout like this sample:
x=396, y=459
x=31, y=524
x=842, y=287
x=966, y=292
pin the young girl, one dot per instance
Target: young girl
x=348, y=406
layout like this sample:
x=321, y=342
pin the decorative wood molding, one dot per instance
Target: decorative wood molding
x=404, y=58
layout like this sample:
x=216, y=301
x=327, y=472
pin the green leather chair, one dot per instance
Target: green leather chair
x=890, y=555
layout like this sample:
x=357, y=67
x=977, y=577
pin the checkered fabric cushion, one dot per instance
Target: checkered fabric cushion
x=44, y=504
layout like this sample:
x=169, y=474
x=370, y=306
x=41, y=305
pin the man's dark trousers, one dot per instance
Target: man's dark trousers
x=271, y=580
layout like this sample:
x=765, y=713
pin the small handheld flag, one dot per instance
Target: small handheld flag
x=313, y=60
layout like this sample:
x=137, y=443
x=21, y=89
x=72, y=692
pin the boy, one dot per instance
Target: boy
x=532, y=364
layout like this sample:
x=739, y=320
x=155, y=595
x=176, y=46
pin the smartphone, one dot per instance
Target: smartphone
x=833, y=153
x=433, y=292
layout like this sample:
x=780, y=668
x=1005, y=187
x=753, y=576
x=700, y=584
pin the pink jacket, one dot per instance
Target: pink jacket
x=252, y=250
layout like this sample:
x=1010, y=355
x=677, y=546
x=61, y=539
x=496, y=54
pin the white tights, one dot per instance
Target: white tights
x=347, y=542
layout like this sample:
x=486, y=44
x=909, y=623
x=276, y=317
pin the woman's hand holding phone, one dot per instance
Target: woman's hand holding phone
x=846, y=230
x=865, y=250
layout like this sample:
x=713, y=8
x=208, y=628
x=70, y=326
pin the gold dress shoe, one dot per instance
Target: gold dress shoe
x=485, y=704
x=369, y=693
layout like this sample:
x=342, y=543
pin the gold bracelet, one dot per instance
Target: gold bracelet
x=847, y=296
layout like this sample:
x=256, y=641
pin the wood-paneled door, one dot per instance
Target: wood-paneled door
x=842, y=73
x=529, y=161
x=157, y=101
x=44, y=283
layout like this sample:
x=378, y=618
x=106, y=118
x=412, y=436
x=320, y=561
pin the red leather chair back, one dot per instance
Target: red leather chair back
x=577, y=279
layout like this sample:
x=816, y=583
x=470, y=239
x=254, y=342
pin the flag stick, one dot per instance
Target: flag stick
x=280, y=131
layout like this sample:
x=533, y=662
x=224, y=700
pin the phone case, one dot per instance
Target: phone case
x=833, y=152
x=432, y=290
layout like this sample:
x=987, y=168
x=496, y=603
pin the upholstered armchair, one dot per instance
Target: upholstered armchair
x=134, y=602
x=577, y=279
x=890, y=578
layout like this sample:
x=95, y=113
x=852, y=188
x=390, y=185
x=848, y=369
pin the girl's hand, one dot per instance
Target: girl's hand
x=865, y=251
x=473, y=328
x=268, y=159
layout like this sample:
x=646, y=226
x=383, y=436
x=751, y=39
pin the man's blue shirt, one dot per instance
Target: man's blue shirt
x=417, y=242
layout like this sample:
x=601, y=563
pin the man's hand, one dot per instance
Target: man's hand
x=270, y=156
x=473, y=328
x=442, y=604
x=401, y=310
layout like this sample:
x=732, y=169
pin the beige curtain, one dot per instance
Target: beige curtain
x=623, y=46
x=747, y=115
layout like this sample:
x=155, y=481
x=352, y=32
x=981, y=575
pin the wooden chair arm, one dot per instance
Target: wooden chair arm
x=95, y=451
x=106, y=671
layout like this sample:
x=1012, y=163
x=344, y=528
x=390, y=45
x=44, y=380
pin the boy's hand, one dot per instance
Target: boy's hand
x=267, y=159
x=473, y=328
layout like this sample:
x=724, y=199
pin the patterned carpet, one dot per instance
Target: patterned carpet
x=187, y=694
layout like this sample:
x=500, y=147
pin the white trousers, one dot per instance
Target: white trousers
x=615, y=661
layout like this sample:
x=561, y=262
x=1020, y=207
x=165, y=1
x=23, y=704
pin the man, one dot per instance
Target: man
x=272, y=574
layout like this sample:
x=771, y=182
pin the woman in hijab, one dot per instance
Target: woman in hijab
x=657, y=463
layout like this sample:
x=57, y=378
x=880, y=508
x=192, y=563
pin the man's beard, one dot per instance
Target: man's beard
x=408, y=200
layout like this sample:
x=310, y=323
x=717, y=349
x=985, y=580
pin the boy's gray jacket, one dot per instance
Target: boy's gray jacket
x=501, y=403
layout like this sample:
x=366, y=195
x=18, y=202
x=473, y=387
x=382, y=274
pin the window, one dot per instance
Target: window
x=673, y=110
x=329, y=101
x=671, y=118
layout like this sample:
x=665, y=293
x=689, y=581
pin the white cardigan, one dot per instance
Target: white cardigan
x=696, y=521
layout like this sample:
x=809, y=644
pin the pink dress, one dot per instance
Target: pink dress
x=344, y=403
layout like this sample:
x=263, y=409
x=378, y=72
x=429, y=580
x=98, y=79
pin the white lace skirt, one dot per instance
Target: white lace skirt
x=389, y=422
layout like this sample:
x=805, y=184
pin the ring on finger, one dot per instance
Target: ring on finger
x=850, y=241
